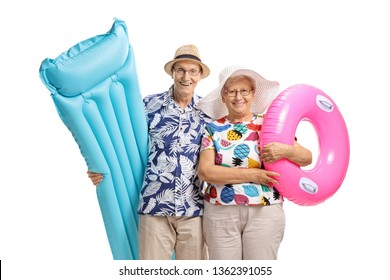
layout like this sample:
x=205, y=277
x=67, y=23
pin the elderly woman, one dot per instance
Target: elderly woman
x=243, y=215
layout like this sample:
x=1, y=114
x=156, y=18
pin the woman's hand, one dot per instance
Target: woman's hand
x=266, y=178
x=96, y=178
x=274, y=151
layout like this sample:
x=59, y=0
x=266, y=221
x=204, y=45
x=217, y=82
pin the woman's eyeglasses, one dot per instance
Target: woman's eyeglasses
x=233, y=93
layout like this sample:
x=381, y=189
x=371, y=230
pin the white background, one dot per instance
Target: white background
x=50, y=221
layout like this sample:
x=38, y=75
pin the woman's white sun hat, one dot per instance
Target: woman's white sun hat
x=265, y=92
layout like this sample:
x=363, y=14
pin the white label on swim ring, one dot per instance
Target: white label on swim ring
x=324, y=103
x=308, y=185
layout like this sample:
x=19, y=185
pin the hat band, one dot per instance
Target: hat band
x=188, y=56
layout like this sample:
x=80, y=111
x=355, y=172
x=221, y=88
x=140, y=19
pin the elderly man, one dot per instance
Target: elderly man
x=171, y=207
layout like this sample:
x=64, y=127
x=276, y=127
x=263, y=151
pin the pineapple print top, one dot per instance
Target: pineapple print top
x=237, y=146
x=170, y=186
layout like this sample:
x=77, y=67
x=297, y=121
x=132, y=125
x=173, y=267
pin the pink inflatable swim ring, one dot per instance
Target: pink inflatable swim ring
x=307, y=103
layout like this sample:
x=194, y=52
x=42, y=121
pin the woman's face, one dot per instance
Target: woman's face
x=238, y=97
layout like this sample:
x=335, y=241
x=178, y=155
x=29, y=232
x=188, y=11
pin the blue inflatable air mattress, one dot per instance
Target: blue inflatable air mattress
x=95, y=89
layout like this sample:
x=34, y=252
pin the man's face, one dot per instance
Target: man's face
x=186, y=75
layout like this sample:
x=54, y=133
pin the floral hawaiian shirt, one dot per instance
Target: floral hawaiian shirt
x=170, y=185
x=237, y=146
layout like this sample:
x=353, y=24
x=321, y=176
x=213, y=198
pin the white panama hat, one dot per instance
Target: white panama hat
x=266, y=91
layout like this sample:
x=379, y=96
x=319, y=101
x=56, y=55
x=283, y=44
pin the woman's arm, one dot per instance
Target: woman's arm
x=215, y=174
x=295, y=153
